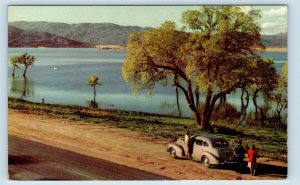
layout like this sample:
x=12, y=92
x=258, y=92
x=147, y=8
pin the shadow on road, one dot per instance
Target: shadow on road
x=272, y=170
x=21, y=159
x=262, y=170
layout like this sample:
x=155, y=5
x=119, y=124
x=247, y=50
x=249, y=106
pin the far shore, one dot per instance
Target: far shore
x=113, y=47
x=120, y=47
x=276, y=49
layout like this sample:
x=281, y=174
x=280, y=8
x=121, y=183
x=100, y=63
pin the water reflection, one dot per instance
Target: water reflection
x=92, y=104
x=172, y=108
x=22, y=87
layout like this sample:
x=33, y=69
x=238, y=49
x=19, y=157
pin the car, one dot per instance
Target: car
x=207, y=149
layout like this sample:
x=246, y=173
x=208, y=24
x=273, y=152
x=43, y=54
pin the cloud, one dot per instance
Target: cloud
x=271, y=28
x=274, y=20
x=276, y=12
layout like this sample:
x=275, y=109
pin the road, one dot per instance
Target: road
x=29, y=160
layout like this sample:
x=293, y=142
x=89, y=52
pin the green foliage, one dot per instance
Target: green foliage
x=218, y=56
x=14, y=60
x=25, y=59
x=279, y=96
x=150, y=53
x=93, y=81
x=15, y=63
x=284, y=78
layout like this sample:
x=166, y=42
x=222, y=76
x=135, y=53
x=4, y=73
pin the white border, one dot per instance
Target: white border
x=293, y=89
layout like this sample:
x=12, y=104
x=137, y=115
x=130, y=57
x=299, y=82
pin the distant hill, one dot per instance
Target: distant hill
x=28, y=38
x=99, y=33
x=279, y=40
x=93, y=33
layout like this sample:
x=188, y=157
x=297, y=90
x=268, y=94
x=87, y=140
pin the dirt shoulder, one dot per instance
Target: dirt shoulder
x=130, y=148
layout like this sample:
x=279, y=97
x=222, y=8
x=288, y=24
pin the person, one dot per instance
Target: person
x=239, y=152
x=187, y=143
x=252, y=156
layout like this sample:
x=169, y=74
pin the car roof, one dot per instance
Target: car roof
x=208, y=136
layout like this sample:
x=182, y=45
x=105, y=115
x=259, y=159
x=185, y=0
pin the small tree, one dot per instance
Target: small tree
x=93, y=81
x=279, y=96
x=14, y=61
x=265, y=80
x=27, y=61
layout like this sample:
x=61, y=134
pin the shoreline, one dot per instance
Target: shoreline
x=127, y=147
x=276, y=49
x=154, y=125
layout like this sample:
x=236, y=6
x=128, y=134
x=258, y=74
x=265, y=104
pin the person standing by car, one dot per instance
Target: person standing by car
x=252, y=156
x=187, y=144
x=239, y=152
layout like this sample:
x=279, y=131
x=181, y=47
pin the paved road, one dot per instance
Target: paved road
x=29, y=160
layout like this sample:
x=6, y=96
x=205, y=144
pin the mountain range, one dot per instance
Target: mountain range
x=51, y=34
x=28, y=38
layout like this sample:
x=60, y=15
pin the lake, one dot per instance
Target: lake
x=67, y=84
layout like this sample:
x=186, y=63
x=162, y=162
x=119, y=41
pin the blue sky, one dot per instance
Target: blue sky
x=273, y=21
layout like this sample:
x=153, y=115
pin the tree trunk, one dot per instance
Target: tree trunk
x=254, y=100
x=177, y=101
x=198, y=120
x=206, y=111
x=189, y=96
x=206, y=117
x=197, y=96
x=24, y=73
x=94, y=94
x=244, y=105
x=13, y=73
x=262, y=117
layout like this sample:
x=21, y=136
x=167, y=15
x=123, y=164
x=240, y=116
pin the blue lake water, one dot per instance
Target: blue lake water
x=68, y=84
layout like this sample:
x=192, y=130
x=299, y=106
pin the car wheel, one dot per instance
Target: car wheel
x=173, y=153
x=206, y=162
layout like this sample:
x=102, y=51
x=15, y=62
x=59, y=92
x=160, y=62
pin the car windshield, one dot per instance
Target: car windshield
x=219, y=143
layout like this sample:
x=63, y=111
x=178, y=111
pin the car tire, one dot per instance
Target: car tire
x=205, y=161
x=173, y=153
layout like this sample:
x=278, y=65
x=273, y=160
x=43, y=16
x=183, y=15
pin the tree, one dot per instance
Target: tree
x=215, y=59
x=27, y=61
x=279, y=95
x=14, y=61
x=93, y=81
x=264, y=83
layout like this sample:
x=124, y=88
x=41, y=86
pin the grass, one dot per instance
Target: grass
x=270, y=143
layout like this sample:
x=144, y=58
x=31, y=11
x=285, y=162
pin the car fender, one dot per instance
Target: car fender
x=179, y=149
x=214, y=160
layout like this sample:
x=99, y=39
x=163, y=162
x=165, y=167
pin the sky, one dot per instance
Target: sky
x=273, y=21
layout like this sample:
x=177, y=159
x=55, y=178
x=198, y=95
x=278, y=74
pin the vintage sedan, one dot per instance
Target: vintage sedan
x=207, y=149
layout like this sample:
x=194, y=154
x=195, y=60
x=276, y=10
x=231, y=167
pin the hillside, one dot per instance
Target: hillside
x=279, y=40
x=101, y=33
x=28, y=38
x=93, y=33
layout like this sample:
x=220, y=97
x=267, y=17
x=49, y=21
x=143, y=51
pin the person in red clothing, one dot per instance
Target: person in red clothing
x=252, y=156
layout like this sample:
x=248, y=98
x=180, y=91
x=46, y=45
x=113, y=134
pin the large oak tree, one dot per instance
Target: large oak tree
x=216, y=56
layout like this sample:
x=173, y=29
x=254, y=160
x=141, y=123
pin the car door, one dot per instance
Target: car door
x=197, y=149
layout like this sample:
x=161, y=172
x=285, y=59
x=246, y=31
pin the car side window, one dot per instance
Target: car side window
x=199, y=142
x=205, y=144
